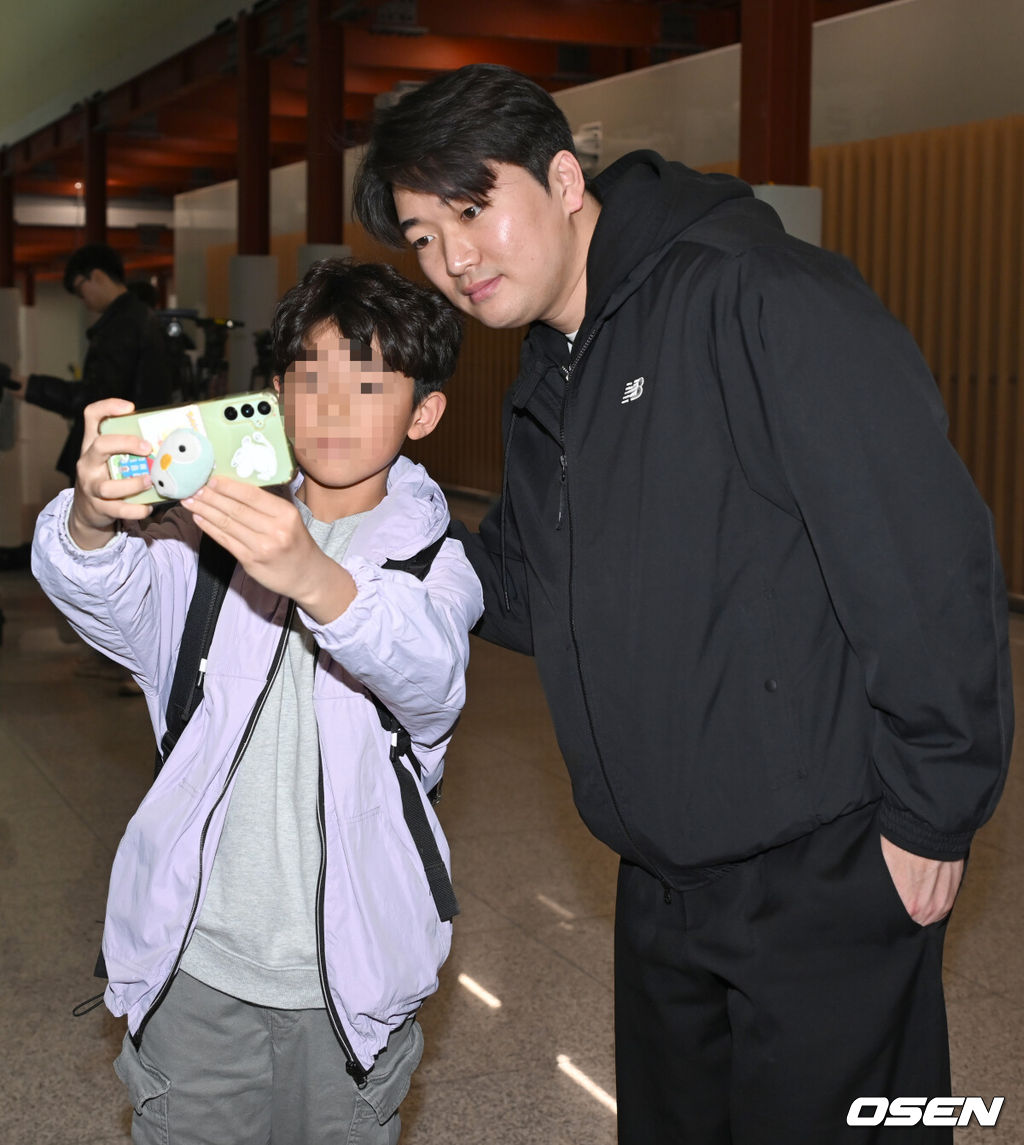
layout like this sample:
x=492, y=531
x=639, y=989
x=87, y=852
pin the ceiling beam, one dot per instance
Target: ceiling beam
x=621, y=24
x=445, y=53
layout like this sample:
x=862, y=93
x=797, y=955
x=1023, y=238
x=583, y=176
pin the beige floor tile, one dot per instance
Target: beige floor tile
x=987, y=1040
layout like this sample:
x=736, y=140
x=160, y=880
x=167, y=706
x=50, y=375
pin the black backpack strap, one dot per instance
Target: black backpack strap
x=213, y=576
x=438, y=879
x=418, y=564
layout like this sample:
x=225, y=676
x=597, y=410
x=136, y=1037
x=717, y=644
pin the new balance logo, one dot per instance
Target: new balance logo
x=634, y=390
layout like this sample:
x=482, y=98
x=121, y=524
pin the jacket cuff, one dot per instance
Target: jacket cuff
x=904, y=829
x=68, y=541
x=47, y=392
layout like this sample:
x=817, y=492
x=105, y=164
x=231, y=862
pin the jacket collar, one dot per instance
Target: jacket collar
x=412, y=515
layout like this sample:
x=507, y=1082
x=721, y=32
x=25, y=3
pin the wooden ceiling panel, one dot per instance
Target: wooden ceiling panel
x=174, y=127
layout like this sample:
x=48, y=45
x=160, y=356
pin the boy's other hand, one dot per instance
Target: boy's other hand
x=99, y=500
x=267, y=536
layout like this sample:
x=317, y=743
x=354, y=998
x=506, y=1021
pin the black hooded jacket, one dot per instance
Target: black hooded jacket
x=760, y=586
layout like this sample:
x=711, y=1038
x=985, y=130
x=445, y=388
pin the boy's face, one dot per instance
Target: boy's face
x=510, y=262
x=346, y=414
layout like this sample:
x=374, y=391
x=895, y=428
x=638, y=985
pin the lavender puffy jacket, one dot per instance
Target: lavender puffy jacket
x=405, y=640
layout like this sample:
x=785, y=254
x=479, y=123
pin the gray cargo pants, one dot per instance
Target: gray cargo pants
x=216, y=1071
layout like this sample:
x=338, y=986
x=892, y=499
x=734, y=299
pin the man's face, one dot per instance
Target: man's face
x=346, y=414
x=510, y=262
x=93, y=290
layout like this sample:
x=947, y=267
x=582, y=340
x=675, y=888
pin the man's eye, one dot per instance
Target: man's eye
x=471, y=211
x=421, y=242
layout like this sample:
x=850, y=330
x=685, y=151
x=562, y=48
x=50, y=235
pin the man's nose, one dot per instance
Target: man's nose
x=460, y=254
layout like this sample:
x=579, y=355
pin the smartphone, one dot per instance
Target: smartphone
x=240, y=436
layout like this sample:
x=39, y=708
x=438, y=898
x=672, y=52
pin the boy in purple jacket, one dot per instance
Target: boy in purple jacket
x=270, y=928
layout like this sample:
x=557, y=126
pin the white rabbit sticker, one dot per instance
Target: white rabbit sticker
x=254, y=455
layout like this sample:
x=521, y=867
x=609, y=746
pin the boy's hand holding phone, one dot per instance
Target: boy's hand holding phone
x=268, y=538
x=99, y=500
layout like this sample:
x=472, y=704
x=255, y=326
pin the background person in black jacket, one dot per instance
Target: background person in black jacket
x=764, y=599
x=125, y=357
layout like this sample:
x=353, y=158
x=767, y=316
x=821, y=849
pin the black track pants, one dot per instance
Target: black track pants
x=755, y=1009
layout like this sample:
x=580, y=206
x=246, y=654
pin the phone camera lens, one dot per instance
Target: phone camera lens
x=264, y=408
x=230, y=413
x=247, y=410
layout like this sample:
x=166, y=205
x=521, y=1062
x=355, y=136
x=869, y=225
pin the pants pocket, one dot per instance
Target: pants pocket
x=388, y=1081
x=889, y=888
x=147, y=1086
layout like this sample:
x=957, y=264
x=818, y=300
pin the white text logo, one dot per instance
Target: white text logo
x=919, y=1110
x=634, y=390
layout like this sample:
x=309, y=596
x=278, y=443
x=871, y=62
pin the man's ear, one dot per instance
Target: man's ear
x=426, y=416
x=566, y=178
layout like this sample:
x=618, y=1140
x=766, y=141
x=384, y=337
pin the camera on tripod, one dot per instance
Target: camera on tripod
x=196, y=379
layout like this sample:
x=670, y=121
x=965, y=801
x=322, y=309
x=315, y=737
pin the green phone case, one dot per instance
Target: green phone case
x=245, y=430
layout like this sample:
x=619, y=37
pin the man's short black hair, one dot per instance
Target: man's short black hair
x=418, y=331
x=443, y=137
x=93, y=256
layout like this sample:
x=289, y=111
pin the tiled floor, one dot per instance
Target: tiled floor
x=535, y=932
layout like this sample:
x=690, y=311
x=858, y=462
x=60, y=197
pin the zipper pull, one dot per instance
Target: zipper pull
x=561, y=491
x=564, y=372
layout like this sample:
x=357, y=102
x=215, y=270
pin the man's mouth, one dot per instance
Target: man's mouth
x=481, y=291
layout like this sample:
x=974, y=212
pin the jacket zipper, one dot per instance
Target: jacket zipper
x=353, y=1067
x=564, y=503
x=246, y=737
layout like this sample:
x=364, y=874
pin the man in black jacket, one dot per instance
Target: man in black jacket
x=126, y=357
x=763, y=595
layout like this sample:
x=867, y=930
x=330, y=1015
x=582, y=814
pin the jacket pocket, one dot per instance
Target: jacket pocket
x=771, y=699
x=377, y=898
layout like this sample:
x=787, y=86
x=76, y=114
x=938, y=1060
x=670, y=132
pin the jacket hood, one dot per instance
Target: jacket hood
x=646, y=203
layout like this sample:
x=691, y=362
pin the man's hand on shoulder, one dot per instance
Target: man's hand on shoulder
x=268, y=538
x=928, y=887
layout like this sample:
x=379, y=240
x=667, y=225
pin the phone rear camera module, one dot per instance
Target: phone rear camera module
x=264, y=408
x=230, y=413
x=247, y=410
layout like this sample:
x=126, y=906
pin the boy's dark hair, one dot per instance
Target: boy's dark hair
x=418, y=332
x=93, y=256
x=442, y=138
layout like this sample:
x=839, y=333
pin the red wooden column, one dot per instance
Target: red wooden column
x=253, y=142
x=6, y=224
x=775, y=91
x=325, y=123
x=95, y=175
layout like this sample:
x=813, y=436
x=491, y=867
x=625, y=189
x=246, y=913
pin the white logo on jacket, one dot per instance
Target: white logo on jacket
x=634, y=390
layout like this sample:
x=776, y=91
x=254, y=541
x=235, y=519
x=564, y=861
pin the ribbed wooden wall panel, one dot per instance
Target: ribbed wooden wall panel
x=933, y=221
